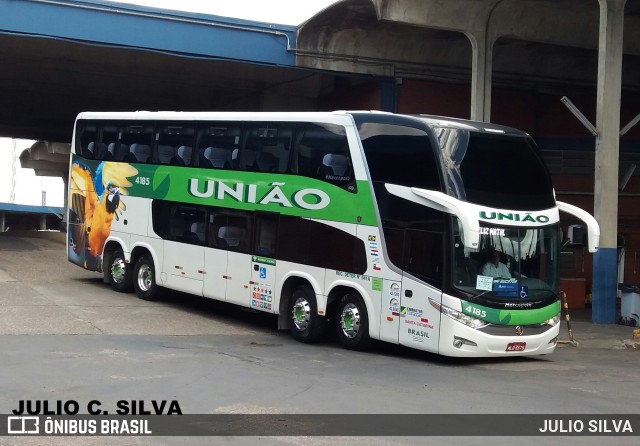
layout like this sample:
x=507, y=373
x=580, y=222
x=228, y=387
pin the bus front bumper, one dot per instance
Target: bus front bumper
x=457, y=339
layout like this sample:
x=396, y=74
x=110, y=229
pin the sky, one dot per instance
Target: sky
x=286, y=12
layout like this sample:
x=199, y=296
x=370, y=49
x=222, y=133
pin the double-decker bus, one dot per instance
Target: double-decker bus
x=434, y=233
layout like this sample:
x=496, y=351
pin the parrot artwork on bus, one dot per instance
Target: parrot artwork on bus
x=95, y=200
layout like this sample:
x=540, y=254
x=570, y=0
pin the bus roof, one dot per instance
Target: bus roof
x=360, y=115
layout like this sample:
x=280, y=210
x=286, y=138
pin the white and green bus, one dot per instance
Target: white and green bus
x=434, y=233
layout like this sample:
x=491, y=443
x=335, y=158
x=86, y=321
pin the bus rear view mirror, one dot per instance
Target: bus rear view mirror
x=593, y=229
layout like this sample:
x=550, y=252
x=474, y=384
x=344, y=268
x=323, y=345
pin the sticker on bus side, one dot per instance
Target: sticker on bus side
x=265, y=260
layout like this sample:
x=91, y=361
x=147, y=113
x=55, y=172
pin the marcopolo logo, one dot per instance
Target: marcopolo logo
x=514, y=216
x=310, y=199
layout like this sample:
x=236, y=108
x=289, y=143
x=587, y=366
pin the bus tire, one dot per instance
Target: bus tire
x=306, y=325
x=144, y=281
x=352, y=322
x=119, y=272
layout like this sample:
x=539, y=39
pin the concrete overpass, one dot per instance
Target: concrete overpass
x=61, y=57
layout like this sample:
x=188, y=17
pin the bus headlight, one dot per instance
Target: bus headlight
x=458, y=316
x=555, y=320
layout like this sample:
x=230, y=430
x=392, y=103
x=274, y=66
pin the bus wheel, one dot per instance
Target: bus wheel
x=119, y=272
x=352, y=322
x=306, y=325
x=144, y=282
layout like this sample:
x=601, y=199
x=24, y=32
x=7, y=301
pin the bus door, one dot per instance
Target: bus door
x=238, y=278
x=216, y=255
x=215, y=279
x=229, y=264
x=263, y=263
x=419, y=320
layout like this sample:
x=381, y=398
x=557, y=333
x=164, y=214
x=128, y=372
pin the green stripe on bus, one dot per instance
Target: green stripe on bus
x=253, y=191
x=511, y=317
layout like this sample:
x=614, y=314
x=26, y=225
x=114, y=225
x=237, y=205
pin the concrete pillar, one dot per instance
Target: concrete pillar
x=481, y=74
x=389, y=95
x=482, y=39
x=2, y=222
x=606, y=159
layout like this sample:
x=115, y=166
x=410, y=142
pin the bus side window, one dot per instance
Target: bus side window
x=336, y=169
x=183, y=156
x=197, y=232
x=317, y=244
x=400, y=155
x=423, y=255
x=86, y=143
x=165, y=153
x=266, y=147
x=98, y=150
x=216, y=158
x=322, y=151
x=161, y=224
x=170, y=139
x=139, y=153
x=216, y=221
x=231, y=237
x=266, y=233
x=187, y=224
x=230, y=232
x=216, y=145
x=237, y=234
x=109, y=141
x=137, y=138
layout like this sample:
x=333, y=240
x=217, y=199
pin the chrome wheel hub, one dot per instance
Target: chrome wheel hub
x=350, y=320
x=301, y=314
x=145, y=278
x=118, y=268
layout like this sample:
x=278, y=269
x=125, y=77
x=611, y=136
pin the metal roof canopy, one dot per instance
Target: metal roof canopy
x=30, y=209
x=140, y=27
x=62, y=57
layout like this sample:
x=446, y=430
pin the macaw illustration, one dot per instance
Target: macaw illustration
x=95, y=201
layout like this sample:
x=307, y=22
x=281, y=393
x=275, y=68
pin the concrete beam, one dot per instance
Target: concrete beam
x=47, y=158
x=558, y=22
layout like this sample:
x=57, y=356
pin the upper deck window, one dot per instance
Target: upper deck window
x=505, y=172
x=399, y=155
x=312, y=149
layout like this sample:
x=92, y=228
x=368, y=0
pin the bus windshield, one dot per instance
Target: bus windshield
x=502, y=171
x=510, y=263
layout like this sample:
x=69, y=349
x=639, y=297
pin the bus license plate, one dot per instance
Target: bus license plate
x=516, y=346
